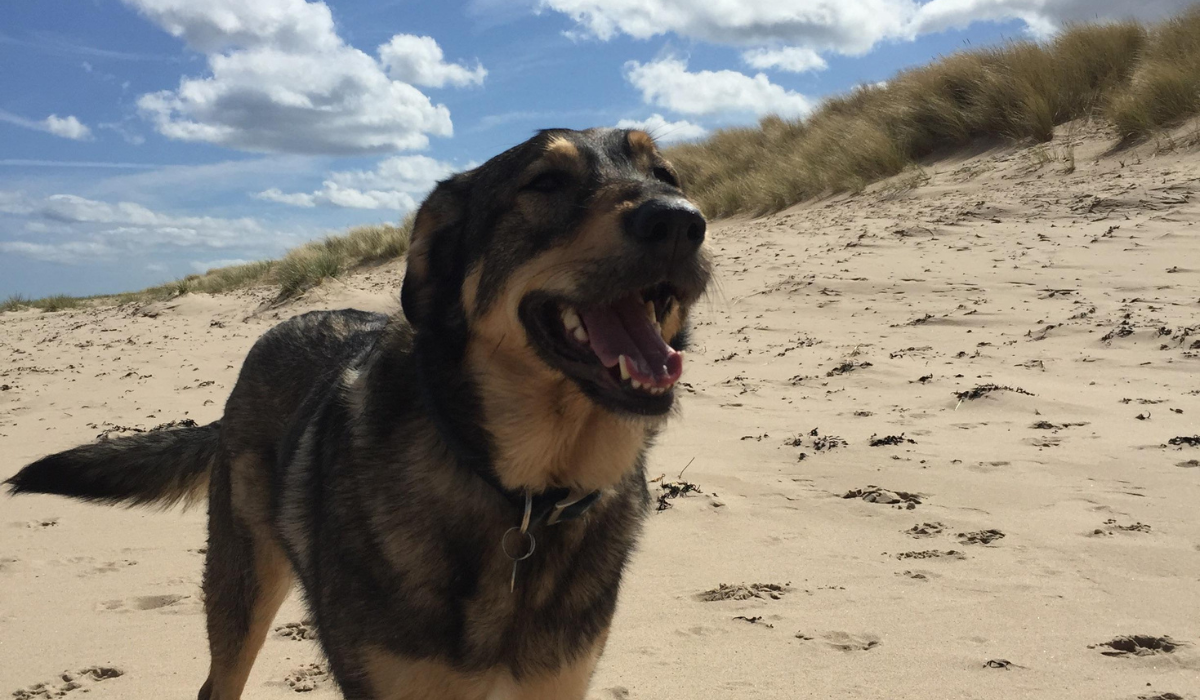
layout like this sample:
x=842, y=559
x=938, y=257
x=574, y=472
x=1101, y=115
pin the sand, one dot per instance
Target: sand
x=924, y=453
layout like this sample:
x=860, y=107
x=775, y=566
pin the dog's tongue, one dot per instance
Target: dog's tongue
x=625, y=329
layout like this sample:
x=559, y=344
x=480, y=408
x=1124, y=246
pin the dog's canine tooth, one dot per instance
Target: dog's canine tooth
x=651, y=313
x=580, y=334
x=624, y=362
x=570, y=319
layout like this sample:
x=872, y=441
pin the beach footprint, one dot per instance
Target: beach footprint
x=297, y=631
x=68, y=682
x=844, y=641
x=109, y=566
x=38, y=524
x=168, y=603
x=307, y=678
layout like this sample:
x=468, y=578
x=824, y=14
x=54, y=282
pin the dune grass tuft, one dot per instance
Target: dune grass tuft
x=1165, y=88
x=1141, y=78
x=15, y=302
x=58, y=302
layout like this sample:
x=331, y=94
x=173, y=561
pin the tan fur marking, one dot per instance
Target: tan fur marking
x=643, y=148
x=563, y=148
x=229, y=672
x=547, y=432
x=394, y=677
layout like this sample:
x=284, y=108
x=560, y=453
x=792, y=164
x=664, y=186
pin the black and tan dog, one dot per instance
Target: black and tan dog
x=457, y=489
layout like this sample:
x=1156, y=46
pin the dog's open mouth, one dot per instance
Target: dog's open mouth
x=616, y=349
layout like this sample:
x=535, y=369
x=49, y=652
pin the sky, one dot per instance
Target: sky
x=144, y=140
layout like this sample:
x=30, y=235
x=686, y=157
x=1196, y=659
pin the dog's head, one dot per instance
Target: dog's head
x=574, y=256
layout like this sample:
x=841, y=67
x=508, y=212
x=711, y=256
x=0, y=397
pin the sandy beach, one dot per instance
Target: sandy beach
x=939, y=439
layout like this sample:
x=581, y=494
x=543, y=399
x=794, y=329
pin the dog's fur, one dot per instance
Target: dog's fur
x=381, y=460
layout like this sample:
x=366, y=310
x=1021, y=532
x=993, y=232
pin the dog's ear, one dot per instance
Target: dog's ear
x=434, y=252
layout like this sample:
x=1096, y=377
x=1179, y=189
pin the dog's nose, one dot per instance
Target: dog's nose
x=672, y=225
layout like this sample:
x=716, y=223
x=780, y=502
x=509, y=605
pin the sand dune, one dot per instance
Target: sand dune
x=927, y=438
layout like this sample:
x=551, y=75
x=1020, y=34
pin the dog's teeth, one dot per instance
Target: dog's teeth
x=624, y=362
x=635, y=383
x=581, y=335
x=570, y=319
x=650, y=311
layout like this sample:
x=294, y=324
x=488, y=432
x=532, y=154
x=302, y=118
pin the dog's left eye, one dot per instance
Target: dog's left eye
x=661, y=173
x=551, y=181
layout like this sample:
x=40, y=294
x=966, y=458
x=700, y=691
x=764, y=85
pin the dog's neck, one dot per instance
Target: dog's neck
x=525, y=433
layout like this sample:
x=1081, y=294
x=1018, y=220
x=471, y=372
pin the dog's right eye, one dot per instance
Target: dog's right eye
x=551, y=181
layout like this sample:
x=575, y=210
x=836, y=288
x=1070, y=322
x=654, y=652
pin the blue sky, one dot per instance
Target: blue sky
x=143, y=140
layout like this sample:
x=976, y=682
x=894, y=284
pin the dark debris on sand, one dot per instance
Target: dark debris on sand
x=875, y=494
x=672, y=490
x=1138, y=645
x=742, y=591
x=985, y=389
x=931, y=554
x=889, y=440
x=847, y=367
x=925, y=530
x=984, y=537
x=1003, y=664
x=1190, y=441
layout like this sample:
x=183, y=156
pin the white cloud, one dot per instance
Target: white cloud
x=667, y=83
x=816, y=24
x=395, y=183
x=281, y=80
x=71, y=252
x=420, y=61
x=1041, y=17
x=795, y=59
x=98, y=227
x=67, y=127
x=833, y=25
x=665, y=131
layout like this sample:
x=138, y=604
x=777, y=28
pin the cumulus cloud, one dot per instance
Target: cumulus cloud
x=1041, y=17
x=817, y=24
x=395, y=183
x=67, y=127
x=280, y=79
x=663, y=130
x=420, y=61
x=789, y=58
x=833, y=25
x=667, y=83
x=77, y=229
x=71, y=252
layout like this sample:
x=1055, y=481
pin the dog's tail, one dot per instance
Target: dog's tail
x=156, y=468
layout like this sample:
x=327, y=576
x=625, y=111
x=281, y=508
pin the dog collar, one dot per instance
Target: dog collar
x=560, y=505
x=551, y=507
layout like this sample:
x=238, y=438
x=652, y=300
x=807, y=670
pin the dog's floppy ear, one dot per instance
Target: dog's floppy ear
x=434, y=255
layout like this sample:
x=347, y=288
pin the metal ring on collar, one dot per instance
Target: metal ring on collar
x=504, y=544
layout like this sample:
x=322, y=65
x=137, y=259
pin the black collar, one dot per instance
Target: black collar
x=560, y=505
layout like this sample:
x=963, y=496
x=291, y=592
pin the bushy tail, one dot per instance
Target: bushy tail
x=162, y=467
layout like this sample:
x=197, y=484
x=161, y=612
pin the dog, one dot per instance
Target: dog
x=457, y=487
